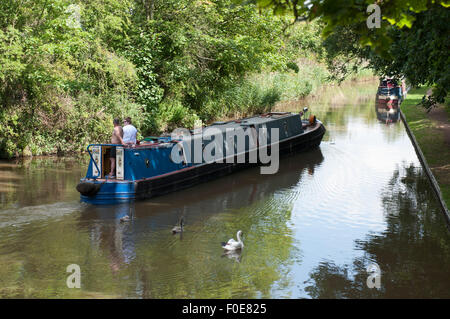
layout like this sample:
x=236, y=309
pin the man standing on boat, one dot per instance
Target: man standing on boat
x=129, y=132
x=116, y=138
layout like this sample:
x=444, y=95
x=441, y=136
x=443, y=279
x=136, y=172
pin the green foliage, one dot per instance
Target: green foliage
x=246, y=98
x=59, y=80
x=412, y=41
x=294, y=85
x=335, y=13
x=304, y=39
x=419, y=54
x=293, y=66
x=191, y=52
x=69, y=67
x=172, y=114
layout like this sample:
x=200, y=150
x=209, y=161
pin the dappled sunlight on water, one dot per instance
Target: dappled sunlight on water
x=309, y=231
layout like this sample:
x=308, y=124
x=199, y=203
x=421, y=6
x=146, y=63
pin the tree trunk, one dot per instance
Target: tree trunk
x=152, y=8
x=149, y=6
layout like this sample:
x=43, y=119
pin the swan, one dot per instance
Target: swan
x=232, y=244
x=178, y=228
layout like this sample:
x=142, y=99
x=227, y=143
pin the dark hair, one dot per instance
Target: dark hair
x=128, y=119
x=116, y=121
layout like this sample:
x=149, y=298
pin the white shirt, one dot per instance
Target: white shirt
x=129, y=134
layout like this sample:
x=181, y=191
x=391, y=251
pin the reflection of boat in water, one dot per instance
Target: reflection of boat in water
x=387, y=115
x=229, y=192
x=154, y=219
x=166, y=165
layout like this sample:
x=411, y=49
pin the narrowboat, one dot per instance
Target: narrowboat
x=159, y=165
x=389, y=94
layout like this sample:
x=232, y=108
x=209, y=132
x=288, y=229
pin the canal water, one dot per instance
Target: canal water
x=361, y=200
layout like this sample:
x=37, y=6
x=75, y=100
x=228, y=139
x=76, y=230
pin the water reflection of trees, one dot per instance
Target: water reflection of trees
x=160, y=265
x=40, y=180
x=413, y=252
x=338, y=106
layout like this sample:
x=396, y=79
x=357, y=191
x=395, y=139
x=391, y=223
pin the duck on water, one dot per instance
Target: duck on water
x=159, y=165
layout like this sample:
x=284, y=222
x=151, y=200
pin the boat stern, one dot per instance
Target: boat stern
x=106, y=191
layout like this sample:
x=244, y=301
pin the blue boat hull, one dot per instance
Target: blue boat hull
x=111, y=192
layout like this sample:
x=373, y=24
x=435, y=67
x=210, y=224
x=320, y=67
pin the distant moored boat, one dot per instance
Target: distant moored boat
x=389, y=94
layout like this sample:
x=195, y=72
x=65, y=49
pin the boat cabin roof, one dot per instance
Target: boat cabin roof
x=253, y=120
x=257, y=120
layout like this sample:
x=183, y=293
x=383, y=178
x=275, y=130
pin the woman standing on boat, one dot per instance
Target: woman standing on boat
x=116, y=138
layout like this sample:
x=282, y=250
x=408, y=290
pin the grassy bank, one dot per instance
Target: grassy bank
x=261, y=92
x=431, y=136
